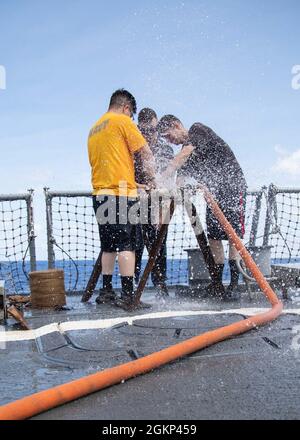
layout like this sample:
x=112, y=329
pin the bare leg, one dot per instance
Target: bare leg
x=107, y=295
x=233, y=253
x=126, y=262
x=108, y=262
x=232, y=290
x=217, y=251
x=216, y=288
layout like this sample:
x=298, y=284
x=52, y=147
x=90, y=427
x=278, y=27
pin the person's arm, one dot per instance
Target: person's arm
x=137, y=144
x=148, y=164
x=179, y=160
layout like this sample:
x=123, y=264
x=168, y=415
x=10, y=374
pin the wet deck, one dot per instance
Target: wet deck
x=253, y=376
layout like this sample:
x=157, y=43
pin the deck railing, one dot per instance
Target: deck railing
x=17, y=240
x=272, y=219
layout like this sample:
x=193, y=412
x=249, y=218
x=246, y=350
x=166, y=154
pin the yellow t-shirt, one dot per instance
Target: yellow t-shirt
x=111, y=144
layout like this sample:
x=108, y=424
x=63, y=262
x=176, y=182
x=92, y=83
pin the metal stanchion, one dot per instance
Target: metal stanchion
x=155, y=249
x=88, y=293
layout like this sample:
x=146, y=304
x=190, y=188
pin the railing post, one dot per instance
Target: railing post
x=153, y=252
x=256, y=216
x=49, y=220
x=30, y=229
x=201, y=237
x=2, y=305
x=270, y=207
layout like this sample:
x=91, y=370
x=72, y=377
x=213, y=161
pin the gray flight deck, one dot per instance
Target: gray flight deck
x=253, y=376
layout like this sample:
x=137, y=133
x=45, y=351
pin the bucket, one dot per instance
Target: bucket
x=47, y=288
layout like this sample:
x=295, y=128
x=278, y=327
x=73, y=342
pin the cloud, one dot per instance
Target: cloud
x=287, y=162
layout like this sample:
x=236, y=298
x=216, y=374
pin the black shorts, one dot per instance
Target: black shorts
x=117, y=232
x=233, y=205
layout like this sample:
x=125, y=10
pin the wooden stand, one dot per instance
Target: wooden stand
x=154, y=251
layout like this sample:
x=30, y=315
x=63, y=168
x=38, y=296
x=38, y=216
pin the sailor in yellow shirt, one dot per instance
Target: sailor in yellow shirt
x=112, y=143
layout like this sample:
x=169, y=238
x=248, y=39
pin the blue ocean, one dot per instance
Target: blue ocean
x=77, y=273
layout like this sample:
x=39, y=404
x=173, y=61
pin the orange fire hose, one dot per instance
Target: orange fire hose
x=45, y=400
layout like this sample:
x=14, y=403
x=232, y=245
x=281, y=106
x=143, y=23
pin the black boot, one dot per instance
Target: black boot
x=232, y=293
x=106, y=297
x=215, y=289
x=107, y=294
x=126, y=302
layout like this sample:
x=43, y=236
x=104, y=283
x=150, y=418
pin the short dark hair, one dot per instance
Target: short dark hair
x=122, y=97
x=146, y=115
x=166, y=122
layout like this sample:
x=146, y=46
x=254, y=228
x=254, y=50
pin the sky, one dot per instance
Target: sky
x=226, y=63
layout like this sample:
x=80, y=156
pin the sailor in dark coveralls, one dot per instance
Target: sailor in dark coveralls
x=163, y=154
x=210, y=161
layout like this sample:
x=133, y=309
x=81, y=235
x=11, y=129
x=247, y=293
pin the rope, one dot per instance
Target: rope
x=76, y=267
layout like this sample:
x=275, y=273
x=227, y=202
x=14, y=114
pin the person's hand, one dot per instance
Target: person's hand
x=187, y=149
x=177, y=162
x=146, y=187
x=141, y=186
x=152, y=185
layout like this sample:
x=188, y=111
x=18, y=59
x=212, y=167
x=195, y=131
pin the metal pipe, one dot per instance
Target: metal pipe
x=30, y=231
x=270, y=207
x=155, y=249
x=286, y=190
x=50, y=247
x=256, y=216
x=69, y=194
x=14, y=197
x=201, y=239
x=89, y=193
x=91, y=286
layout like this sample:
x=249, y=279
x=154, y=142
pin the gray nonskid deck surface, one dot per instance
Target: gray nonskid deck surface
x=253, y=376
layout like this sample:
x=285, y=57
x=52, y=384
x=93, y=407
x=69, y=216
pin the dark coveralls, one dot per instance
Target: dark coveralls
x=214, y=164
